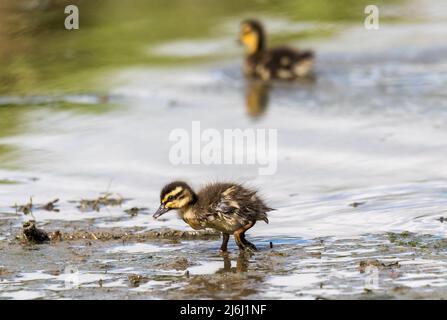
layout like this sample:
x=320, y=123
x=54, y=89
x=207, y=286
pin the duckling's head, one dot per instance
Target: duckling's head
x=252, y=36
x=175, y=195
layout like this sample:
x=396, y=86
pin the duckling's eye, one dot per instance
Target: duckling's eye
x=170, y=198
x=246, y=29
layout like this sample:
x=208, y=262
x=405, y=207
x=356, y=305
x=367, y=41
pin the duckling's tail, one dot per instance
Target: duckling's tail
x=264, y=216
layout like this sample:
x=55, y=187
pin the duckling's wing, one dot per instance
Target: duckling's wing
x=242, y=204
x=226, y=201
x=227, y=205
x=288, y=63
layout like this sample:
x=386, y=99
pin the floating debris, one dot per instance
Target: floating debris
x=364, y=264
x=57, y=235
x=405, y=238
x=293, y=194
x=421, y=241
x=356, y=204
x=135, y=211
x=4, y=272
x=105, y=200
x=178, y=264
x=50, y=206
x=271, y=245
x=442, y=219
x=26, y=209
x=34, y=235
x=135, y=280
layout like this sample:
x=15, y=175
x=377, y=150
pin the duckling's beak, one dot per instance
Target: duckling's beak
x=161, y=210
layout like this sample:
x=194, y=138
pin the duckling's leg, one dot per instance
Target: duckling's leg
x=247, y=243
x=239, y=237
x=225, y=238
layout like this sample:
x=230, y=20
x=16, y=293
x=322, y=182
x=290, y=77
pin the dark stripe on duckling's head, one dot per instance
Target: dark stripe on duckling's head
x=252, y=35
x=177, y=195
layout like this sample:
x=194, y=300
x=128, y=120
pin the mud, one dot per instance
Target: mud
x=173, y=264
x=104, y=200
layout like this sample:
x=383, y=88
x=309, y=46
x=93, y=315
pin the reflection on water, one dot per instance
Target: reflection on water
x=371, y=266
x=257, y=93
x=256, y=98
x=11, y=122
x=242, y=263
x=38, y=55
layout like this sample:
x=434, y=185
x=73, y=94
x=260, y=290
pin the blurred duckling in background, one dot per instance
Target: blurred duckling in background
x=226, y=207
x=275, y=63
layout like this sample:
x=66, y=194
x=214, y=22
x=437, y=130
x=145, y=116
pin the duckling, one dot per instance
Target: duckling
x=226, y=207
x=276, y=63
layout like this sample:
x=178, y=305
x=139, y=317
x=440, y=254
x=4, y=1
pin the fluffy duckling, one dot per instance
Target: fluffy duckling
x=275, y=63
x=227, y=207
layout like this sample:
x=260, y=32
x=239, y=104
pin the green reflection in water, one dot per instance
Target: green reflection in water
x=8, y=182
x=38, y=55
x=10, y=124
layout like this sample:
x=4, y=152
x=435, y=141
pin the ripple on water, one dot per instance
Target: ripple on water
x=142, y=248
x=205, y=267
x=23, y=295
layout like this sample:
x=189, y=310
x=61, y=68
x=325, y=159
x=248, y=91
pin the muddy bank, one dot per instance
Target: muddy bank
x=178, y=265
x=58, y=259
x=134, y=234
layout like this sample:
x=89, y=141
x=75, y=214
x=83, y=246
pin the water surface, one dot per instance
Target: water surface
x=369, y=131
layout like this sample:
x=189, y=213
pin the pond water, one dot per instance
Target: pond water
x=360, y=156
